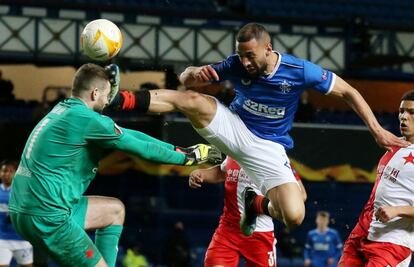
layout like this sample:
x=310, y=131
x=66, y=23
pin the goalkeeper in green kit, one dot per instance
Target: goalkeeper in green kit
x=59, y=161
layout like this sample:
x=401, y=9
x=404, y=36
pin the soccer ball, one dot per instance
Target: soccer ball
x=101, y=39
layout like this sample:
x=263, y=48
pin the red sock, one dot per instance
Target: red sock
x=258, y=204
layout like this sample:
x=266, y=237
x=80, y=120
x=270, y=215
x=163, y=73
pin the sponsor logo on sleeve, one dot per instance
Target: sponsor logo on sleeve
x=324, y=75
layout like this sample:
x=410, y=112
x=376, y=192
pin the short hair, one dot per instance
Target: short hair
x=252, y=31
x=9, y=162
x=323, y=213
x=408, y=96
x=87, y=76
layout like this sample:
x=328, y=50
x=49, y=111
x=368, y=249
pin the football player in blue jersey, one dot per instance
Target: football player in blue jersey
x=254, y=129
x=323, y=245
x=11, y=244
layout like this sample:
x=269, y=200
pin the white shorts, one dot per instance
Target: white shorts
x=22, y=252
x=264, y=161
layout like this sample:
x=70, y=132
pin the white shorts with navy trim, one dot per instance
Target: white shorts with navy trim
x=264, y=161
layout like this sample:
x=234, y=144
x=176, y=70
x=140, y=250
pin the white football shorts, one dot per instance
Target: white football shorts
x=264, y=161
x=21, y=250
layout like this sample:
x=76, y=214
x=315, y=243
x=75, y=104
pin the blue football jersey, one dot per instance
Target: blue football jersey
x=319, y=247
x=6, y=227
x=267, y=104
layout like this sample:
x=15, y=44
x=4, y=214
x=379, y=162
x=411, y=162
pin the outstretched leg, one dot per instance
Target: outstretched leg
x=198, y=108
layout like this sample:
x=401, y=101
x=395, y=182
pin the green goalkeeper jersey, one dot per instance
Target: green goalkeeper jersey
x=61, y=157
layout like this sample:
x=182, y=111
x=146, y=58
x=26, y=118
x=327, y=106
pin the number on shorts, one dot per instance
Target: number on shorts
x=271, y=259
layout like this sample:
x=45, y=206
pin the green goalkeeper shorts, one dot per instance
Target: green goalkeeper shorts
x=63, y=238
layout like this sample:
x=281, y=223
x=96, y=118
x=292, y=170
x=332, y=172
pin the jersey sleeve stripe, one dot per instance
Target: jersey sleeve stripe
x=332, y=84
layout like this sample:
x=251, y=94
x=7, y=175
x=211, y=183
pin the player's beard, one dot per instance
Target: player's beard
x=261, y=68
x=260, y=71
x=99, y=108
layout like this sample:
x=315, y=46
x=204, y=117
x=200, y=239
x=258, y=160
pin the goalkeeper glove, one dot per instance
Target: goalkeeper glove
x=200, y=153
x=115, y=79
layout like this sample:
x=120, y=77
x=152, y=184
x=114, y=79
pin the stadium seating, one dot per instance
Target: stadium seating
x=386, y=13
x=398, y=13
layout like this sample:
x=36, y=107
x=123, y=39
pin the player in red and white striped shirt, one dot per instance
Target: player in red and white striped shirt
x=228, y=242
x=384, y=234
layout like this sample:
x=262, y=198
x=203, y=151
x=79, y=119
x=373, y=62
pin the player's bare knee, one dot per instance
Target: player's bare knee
x=191, y=101
x=192, y=95
x=118, y=212
x=294, y=218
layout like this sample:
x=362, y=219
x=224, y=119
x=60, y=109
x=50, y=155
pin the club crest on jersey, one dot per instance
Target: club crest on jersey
x=89, y=253
x=285, y=86
x=409, y=159
x=246, y=82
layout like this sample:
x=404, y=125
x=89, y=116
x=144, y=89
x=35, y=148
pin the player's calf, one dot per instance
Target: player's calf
x=157, y=101
x=288, y=200
x=199, y=108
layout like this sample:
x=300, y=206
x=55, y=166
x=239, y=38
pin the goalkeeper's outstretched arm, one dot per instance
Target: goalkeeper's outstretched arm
x=150, y=148
x=198, y=154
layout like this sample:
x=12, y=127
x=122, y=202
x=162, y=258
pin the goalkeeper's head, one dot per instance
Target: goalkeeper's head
x=92, y=85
